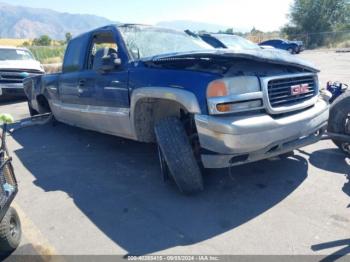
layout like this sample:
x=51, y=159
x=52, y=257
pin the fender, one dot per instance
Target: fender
x=185, y=98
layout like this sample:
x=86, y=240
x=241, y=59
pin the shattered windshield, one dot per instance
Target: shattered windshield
x=147, y=41
x=236, y=42
x=15, y=54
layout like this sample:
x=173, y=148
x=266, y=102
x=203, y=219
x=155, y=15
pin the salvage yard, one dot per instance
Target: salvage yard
x=82, y=192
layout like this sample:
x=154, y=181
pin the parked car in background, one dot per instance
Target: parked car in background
x=15, y=65
x=203, y=107
x=293, y=47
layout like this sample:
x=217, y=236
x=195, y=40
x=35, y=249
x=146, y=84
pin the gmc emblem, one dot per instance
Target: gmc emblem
x=299, y=89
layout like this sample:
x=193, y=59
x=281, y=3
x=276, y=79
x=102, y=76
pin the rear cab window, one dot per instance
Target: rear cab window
x=74, y=57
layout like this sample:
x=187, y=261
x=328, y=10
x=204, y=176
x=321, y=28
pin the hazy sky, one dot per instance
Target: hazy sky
x=265, y=15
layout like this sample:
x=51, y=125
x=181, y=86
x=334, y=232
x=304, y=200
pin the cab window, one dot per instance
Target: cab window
x=102, y=44
x=74, y=55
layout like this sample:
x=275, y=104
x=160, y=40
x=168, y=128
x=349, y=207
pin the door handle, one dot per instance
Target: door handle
x=81, y=83
x=81, y=87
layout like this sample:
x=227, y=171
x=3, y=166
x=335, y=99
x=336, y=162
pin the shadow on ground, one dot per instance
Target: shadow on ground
x=117, y=184
x=10, y=101
x=334, y=161
x=343, y=244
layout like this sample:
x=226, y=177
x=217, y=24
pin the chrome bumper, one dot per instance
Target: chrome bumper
x=11, y=90
x=235, y=140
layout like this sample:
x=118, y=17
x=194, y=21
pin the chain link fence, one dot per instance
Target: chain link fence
x=333, y=39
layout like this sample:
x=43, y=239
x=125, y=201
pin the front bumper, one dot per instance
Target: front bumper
x=9, y=90
x=235, y=140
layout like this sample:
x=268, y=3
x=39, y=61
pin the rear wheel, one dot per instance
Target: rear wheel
x=10, y=231
x=32, y=111
x=339, y=120
x=177, y=156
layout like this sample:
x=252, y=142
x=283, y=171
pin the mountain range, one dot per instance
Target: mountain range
x=26, y=22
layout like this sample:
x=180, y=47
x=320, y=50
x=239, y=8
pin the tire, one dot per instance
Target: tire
x=10, y=231
x=164, y=169
x=290, y=50
x=32, y=111
x=178, y=154
x=339, y=120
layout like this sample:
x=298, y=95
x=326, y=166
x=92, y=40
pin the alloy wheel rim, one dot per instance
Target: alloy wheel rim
x=13, y=227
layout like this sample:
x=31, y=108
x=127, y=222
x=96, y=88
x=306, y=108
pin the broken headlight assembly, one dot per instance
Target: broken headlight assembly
x=234, y=94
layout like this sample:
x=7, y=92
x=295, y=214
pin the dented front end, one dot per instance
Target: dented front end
x=265, y=103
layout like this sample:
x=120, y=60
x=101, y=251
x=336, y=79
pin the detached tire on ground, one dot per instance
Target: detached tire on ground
x=339, y=120
x=177, y=151
x=10, y=232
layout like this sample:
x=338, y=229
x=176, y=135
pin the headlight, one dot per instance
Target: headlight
x=234, y=94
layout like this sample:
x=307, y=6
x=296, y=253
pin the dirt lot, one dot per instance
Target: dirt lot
x=333, y=66
x=86, y=193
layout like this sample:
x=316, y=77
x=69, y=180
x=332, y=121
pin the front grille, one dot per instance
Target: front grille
x=280, y=90
x=12, y=76
x=30, y=71
x=11, y=79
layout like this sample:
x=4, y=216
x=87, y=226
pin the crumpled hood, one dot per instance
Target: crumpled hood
x=21, y=64
x=262, y=55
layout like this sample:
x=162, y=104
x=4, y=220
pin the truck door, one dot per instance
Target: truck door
x=106, y=90
x=69, y=108
x=111, y=86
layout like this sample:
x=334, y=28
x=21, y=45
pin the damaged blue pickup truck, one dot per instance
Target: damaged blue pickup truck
x=204, y=107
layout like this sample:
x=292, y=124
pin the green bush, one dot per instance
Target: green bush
x=43, y=40
x=48, y=54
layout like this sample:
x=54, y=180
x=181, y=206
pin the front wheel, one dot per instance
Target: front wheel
x=177, y=156
x=339, y=120
x=10, y=231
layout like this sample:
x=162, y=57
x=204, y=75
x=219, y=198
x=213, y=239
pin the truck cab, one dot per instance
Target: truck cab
x=203, y=107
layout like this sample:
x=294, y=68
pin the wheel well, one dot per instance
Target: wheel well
x=150, y=110
x=43, y=104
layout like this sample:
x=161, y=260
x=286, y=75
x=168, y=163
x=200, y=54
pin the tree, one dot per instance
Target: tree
x=255, y=31
x=311, y=18
x=26, y=43
x=68, y=37
x=43, y=40
x=229, y=31
x=202, y=32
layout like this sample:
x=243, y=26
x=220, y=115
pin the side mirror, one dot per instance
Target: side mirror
x=109, y=62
